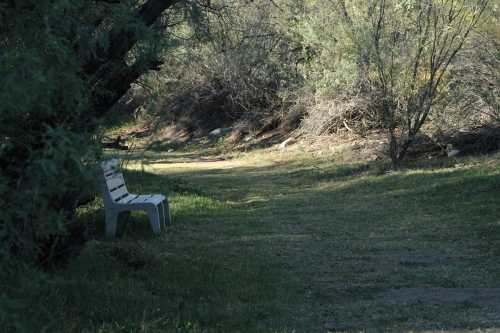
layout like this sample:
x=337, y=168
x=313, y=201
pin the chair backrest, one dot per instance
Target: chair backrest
x=113, y=183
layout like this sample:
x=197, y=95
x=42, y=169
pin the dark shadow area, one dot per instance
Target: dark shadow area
x=478, y=141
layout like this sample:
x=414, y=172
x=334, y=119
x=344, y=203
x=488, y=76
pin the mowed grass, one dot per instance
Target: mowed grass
x=274, y=242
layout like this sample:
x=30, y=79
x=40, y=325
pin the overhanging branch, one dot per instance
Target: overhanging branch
x=121, y=40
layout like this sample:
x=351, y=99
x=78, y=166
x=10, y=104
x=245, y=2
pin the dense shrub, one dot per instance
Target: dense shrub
x=47, y=142
x=409, y=60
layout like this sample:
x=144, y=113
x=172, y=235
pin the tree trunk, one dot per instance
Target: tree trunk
x=112, y=77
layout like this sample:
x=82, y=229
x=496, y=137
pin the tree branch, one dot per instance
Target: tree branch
x=115, y=82
x=123, y=40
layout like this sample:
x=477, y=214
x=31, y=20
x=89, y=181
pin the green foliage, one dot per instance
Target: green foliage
x=46, y=146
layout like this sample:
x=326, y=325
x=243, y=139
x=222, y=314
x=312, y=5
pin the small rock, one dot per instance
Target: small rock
x=220, y=131
x=216, y=132
x=451, y=151
x=170, y=150
x=287, y=142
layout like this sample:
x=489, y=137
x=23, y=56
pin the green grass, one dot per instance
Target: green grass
x=267, y=242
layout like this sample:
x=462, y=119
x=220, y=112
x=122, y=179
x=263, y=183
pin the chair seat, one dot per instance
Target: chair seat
x=148, y=198
x=135, y=199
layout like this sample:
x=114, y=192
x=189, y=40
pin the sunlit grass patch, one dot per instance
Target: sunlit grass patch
x=189, y=206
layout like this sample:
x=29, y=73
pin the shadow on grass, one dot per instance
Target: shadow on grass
x=356, y=198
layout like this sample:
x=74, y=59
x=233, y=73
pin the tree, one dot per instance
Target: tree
x=386, y=64
x=413, y=45
x=63, y=64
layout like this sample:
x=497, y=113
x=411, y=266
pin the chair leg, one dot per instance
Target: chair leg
x=166, y=212
x=165, y=216
x=111, y=221
x=161, y=213
x=154, y=219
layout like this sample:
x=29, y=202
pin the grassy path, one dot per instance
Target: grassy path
x=276, y=243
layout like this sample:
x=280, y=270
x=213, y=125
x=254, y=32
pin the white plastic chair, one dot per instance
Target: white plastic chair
x=117, y=199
